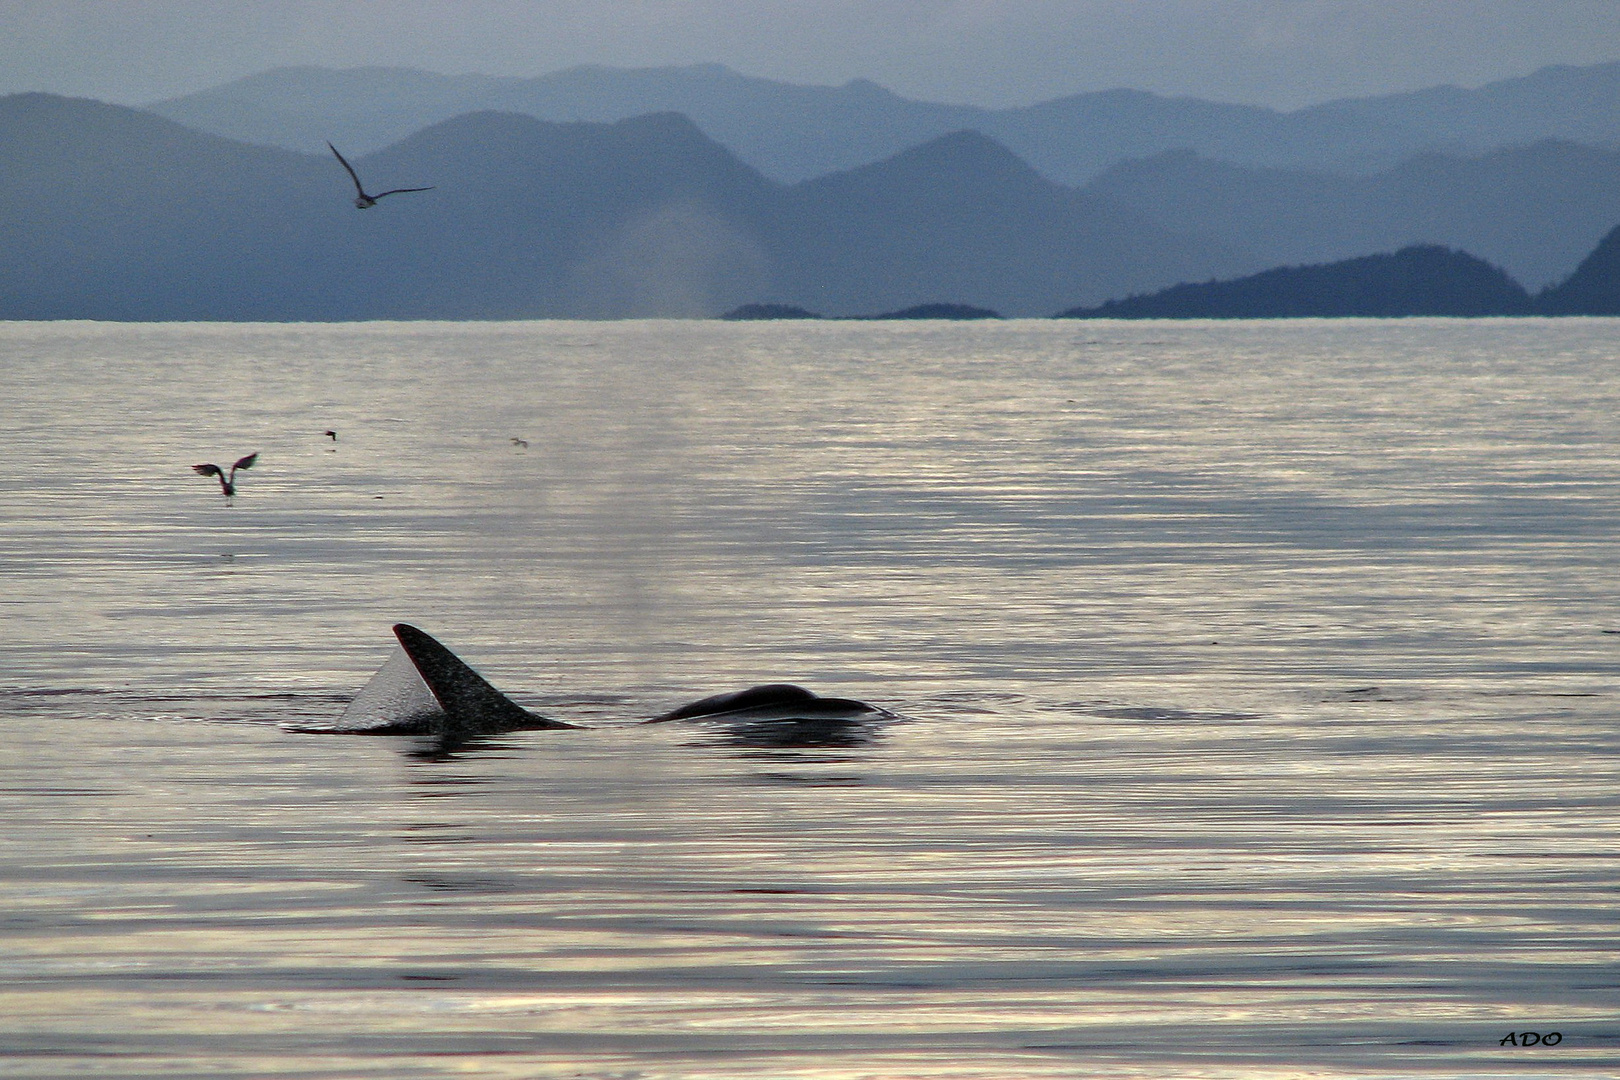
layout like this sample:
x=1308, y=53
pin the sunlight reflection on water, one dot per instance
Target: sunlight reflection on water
x=1259, y=702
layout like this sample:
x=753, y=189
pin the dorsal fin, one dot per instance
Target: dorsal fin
x=471, y=705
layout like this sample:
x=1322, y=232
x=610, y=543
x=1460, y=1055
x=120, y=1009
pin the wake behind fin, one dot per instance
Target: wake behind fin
x=471, y=705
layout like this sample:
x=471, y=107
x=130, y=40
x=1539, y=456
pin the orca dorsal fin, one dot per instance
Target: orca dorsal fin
x=471, y=705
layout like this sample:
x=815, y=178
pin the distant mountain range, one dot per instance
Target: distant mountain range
x=790, y=132
x=1534, y=210
x=117, y=213
x=111, y=213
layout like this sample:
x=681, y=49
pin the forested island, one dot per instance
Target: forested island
x=758, y=312
x=1417, y=280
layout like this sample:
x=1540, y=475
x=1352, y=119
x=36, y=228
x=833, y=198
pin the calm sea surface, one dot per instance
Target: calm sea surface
x=1262, y=685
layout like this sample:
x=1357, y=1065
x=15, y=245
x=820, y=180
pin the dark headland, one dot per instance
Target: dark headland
x=1594, y=287
x=752, y=312
x=1418, y=280
x=764, y=312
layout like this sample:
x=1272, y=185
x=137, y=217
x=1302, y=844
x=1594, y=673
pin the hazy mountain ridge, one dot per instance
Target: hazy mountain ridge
x=103, y=209
x=791, y=132
x=926, y=225
x=1577, y=104
x=1535, y=210
x=109, y=212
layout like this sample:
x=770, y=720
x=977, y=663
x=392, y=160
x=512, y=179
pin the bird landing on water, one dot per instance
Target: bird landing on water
x=227, y=481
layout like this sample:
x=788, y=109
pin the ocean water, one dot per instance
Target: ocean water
x=1261, y=686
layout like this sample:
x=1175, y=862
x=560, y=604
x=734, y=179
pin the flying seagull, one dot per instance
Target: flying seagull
x=227, y=483
x=362, y=200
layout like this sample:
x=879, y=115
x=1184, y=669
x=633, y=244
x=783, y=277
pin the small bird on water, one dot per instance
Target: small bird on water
x=362, y=200
x=227, y=482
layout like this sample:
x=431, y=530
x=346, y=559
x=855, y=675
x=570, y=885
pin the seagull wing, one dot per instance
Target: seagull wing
x=247, y=462
x=401, y=191
x=350, y=168
x=207, y=470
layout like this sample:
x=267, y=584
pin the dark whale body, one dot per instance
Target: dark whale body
x=784, y=715
x=425, y=689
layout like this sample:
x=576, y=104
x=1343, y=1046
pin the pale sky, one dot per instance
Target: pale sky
x=1283, y=53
